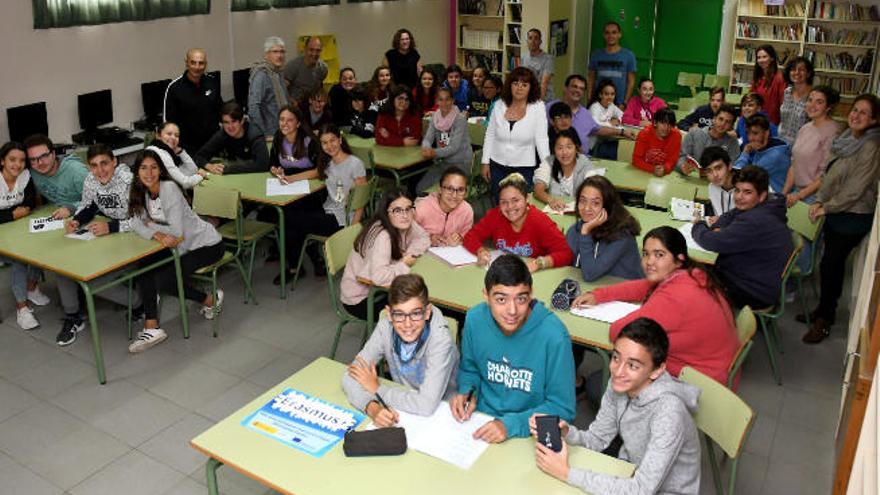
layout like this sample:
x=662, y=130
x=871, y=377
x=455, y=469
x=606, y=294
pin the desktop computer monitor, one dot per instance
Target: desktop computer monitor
x=95, y=109
x=26, y=120
x=153, y=98
x=240, y=85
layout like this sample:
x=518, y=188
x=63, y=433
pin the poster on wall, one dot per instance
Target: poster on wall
x=559, y=37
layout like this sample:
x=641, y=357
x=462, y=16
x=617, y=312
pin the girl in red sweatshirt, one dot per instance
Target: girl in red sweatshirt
x=684, y=299
x=657, y=146
x=519, y=228
x=398, y=124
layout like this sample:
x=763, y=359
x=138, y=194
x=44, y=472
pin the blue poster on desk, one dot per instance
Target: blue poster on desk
x=303, y=422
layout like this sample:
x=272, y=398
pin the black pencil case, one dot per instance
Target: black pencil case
x=381, y=441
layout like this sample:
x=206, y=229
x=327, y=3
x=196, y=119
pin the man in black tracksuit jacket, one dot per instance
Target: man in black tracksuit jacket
x=192, y=101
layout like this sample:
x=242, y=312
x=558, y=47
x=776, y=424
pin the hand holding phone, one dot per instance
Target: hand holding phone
x=549, y=434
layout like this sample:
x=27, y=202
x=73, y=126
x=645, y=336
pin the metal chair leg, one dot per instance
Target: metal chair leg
x=771, y=351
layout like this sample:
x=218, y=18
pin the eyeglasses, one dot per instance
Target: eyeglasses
x=454, y=190
x=520, y=84
x=35, y=159
x=278, y=50
x=415, y=315
x=401, y=212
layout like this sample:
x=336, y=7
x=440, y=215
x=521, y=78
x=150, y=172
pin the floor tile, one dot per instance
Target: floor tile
x=240, y=356
x=189, y=384
x=230, y=401
x=171, y=447
x=56, y=375
x=278, y=369
x=18, y=479
x=138, y=473
x=13, y=399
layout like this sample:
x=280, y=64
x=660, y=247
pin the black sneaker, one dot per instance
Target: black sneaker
x=71, y=327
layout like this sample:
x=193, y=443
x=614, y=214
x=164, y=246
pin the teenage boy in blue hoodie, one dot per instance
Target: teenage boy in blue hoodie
x=770, y=153
x=752, y=241
x=515, y=357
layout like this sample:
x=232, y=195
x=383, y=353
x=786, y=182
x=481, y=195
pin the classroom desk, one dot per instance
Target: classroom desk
x=252, y=187
x=508, y=467
x=399, y=161
x=361, y=148
x=85, y=261
x=628, y=178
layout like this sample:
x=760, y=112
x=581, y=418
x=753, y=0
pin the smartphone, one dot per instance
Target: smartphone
x=548, y=432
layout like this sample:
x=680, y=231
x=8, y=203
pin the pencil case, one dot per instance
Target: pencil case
x=381, y=441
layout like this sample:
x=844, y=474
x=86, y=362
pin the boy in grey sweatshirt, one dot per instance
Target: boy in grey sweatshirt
x=421, y=354
x=650, y=410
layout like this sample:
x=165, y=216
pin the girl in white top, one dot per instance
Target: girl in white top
x=178, y=163
x=604, y=111
x=517, y=127
x=559, y=176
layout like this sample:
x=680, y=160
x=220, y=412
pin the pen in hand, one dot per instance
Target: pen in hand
x=467, y=402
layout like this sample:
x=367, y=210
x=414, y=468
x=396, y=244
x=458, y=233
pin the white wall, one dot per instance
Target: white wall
x=55, y=65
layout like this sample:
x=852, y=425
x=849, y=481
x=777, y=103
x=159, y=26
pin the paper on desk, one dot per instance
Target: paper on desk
x=684, y=209
x=440, y=435
x=44, y=224
x=274, y=187
x=596, y=171
x=87, y=235
x=608, y=312
x=569, y=208
x=455, y=255
x=686, y=231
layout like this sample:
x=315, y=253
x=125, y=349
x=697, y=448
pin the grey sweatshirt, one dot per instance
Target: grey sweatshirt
x=659, y=437
x=186, y=174
x=429, y=377
x=180, y=221
x=697, y=140
x=453, y=147
x=110, y=199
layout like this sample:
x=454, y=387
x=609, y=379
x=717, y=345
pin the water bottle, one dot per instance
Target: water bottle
x=340, y=193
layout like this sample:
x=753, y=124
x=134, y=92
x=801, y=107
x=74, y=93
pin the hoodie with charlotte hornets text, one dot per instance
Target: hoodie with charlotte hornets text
x=110, y=200
x=515, y=376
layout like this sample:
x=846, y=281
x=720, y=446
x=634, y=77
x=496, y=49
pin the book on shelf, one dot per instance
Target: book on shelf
x=845, y=85
x=472, y=7
x=513, y=62
x=790, y=8
x=480, y=39
x=844, y=11
x=488, y=60
x=843, y=61
x=823, y=34
x=770, y=31
x=746, y=54
x=516, y=12
x=513, y=33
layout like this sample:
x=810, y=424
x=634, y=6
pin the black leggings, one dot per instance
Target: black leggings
x=163, y=279
x=842, y=233
x=302, y=223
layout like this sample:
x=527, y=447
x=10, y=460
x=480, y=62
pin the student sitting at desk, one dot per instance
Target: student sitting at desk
x=604, y=237
x=641, y=108
x=719, y=170
x=159, y=211
x=608, y=115
x=444, y=214
x=516, y=227
x=752, y=241
x=658, y=145
x=515, y=357
x=704, y=115
x=479, y=102
x=770, y=153
x=240, y=145
x=363, y=119
x=314, y=106
x=414, y=340
x=649, y=409
x=177, y=161
x=17, y=199
x=389, y=244
x=560, y=175
x=559, y=119
x=294, y=150
x=700, y=138
x=684, y=298
x=461, y=90
x=379, y=87
x=751, y=104
x=447, y=140
x=397, y=123
x=340, y=96
x=425, y=94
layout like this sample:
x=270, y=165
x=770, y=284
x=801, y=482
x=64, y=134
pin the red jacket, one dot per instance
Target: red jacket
x=650, y=150
x=772, y=95
x=409, y=126
x=539, y=236
x=701, y=330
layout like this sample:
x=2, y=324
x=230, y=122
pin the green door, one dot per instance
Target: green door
x=636, y=19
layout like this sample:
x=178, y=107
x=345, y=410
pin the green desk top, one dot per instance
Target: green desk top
x=358, y=142
x=75, y=259
x=397, y=157
x=628, y=178
x=505, y=468
x=253, y=187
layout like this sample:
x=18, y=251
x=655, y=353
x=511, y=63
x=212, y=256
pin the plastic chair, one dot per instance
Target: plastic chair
x=746, y=326
x=799, y=221
x=724, y=419
x=659, y=192
x=337, y=247
x=221, y=203
x=477, y=134
x=713, y=80
x=768, y=316
x=690, y=80
x=358, y=197
x=625, y=149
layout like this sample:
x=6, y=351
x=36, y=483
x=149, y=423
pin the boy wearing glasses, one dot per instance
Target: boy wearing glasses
x=415, y=342
x=515, y=357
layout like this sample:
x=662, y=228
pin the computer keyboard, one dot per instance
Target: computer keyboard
x=125, y=142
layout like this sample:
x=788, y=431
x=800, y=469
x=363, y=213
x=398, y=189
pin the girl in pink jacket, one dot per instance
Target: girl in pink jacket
x=445, y=215
x=641, y=108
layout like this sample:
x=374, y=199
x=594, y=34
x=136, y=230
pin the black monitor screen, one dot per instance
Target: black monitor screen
x=240, y=85
x=216, y=75
x=153, y=97
x=95, y=109
x=26, y=120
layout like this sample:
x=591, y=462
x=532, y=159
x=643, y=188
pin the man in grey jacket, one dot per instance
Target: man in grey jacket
x=266, y=92
x=421, y=354
x=650, y=410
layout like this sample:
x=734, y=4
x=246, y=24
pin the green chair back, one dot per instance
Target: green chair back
x=799, y=221
x=712, y=80
x=660, y=192
x=690, y=80
x=338, y=247
x=723, y=418
x=746, y=327
x=366, y=156
x=477, y=133
x=216, y=202
x=625, y=148
x=686, y=104
x=359, y=196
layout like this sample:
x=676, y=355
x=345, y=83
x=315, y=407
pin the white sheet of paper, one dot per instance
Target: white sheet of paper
x=440, y=435
x=608, y=312
x=686, y=231
x=85, y=236
x=455, y=256
x=274, y=187
x=569, y=208
x=683, y=209
x=596, y=171
x=44, y=224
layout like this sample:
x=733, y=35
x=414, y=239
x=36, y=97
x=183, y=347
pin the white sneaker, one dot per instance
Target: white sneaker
x=25, y=319
x=37, y=297
x=210, y=312
x=147, y=338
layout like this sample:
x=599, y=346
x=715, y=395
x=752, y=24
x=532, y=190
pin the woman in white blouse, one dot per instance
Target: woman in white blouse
x=516, y=138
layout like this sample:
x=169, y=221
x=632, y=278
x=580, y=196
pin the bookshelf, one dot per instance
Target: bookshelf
x=840, y=37
x=480, y=39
